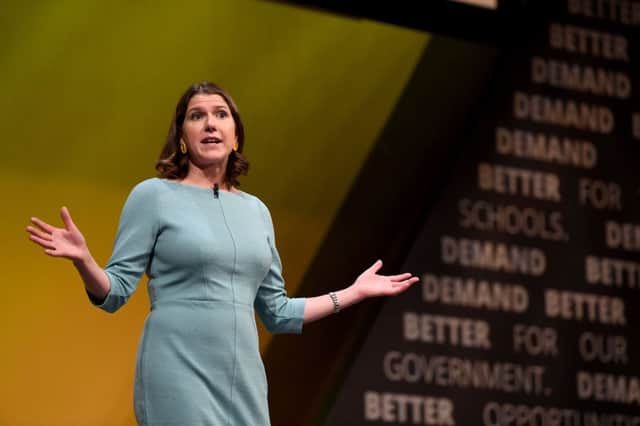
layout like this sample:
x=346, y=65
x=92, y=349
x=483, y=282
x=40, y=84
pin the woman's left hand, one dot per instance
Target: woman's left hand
x=370, y=284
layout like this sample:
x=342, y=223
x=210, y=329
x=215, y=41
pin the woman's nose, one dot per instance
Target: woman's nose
x=209, y=123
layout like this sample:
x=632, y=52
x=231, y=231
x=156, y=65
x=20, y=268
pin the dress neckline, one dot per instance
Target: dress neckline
x=200, y=188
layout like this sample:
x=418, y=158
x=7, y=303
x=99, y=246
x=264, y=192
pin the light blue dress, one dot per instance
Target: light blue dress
x=212, y=262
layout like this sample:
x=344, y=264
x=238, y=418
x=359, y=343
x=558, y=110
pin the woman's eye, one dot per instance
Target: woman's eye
x=195, y=116
x=221, y=114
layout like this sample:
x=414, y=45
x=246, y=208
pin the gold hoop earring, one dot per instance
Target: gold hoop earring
x=183, y=147
x=235, y=146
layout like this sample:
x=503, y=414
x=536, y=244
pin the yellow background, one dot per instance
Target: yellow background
x=87, y=91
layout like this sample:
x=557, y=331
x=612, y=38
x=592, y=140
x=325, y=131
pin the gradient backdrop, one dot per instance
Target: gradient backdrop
x=88, y=90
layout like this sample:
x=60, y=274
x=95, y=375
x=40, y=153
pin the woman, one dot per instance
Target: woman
x=209, y=252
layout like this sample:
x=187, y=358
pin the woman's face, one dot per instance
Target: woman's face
x=209, y=130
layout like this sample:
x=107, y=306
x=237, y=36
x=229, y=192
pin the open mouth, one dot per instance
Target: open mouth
x=211, y=140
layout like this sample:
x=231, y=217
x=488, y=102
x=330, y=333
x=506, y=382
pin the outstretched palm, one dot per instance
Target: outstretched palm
x=65, y=242
x=370, y=284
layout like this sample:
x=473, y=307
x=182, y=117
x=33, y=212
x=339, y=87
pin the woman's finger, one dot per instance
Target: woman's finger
x=399, y=277
x=66, y=218
x=45, y=226
x=41, y=242
x=39, y=233
x=405, y=282
x=397, y=289
x=52, y=253
x=375, y=267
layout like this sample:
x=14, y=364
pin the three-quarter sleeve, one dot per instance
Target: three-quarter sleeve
x=132, y=248
x=278, y=312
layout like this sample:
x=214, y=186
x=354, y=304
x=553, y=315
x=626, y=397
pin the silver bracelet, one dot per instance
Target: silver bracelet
x=334, y=299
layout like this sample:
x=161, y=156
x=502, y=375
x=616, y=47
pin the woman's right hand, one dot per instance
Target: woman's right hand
x=67, y=242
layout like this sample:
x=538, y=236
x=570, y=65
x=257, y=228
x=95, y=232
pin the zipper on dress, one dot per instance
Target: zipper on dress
x=216, y=194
